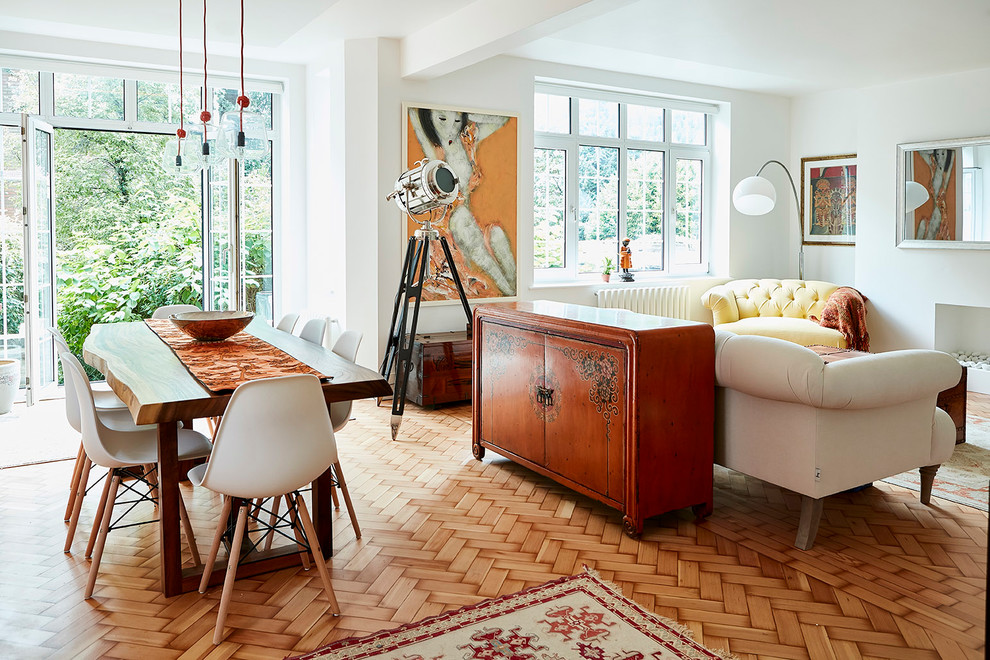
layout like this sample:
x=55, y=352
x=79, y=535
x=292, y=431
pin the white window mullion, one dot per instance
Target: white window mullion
x=130, y=103
x=46, y=91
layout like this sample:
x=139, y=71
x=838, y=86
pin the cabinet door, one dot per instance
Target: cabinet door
x=585, y=432
x=511, y=369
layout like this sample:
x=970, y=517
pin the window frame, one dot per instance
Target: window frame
x=571, y=143
x=131, y=76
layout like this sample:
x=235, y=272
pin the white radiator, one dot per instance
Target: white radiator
x=669, y=301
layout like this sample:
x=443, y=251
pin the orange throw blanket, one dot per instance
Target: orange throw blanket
x=845, y=311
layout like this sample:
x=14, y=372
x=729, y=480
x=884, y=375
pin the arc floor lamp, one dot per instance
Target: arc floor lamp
x=755, y=195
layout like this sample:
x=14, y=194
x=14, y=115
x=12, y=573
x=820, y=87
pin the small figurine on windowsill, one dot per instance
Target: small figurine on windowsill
x=625, y=261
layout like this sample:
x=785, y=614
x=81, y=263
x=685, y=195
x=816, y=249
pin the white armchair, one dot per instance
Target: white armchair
x=782, y=415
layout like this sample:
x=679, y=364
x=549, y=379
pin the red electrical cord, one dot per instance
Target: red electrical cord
x=204, y=115
x=243, y=95
x=181, y=133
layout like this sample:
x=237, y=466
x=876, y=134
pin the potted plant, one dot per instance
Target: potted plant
x=607, y=267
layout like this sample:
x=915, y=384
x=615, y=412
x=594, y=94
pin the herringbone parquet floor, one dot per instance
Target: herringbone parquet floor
x=887, y=578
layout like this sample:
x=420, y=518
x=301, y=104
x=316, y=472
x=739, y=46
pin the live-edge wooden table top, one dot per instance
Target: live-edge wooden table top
x=144, y=372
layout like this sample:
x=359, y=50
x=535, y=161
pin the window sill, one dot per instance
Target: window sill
x=615, y=282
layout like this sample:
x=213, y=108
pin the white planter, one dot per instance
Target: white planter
x=10, y=380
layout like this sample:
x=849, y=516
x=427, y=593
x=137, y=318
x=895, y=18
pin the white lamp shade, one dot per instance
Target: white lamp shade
x=191, y=161
x=255, y=135
x=915, y=195
x=754, y=195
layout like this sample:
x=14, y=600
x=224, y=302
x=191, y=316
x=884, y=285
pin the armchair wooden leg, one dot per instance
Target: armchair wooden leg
x=101, y=540
x=215, y=548
x=339, y=473
x=927, y=481
x=811, y=514
x=231, y=576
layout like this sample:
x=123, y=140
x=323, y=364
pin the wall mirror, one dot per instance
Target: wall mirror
x=943, y=194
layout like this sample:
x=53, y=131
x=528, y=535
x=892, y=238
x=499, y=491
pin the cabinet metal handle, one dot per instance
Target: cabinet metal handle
x=544, y=395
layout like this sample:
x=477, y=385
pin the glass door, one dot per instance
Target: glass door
x=39, y=263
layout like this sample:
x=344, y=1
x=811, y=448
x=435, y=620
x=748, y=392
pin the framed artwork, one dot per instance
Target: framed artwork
x=828, y=200
x=481, y=226
x=938, y=218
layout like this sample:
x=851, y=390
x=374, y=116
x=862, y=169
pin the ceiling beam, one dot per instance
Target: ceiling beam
x=486, y=28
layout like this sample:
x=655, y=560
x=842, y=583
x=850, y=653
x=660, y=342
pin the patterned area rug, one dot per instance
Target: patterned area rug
x=964, y=478
x=574, y=618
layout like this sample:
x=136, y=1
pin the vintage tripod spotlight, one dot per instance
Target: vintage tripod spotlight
x=430, y=187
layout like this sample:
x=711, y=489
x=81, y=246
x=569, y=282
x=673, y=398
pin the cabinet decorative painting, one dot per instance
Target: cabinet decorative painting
x=481, y=149
x=828, y=200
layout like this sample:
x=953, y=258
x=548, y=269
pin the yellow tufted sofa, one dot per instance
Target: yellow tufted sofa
x=773, y=308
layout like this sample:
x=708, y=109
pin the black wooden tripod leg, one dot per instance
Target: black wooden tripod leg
x=457, y=281
x=394, y=333
x=406, y=339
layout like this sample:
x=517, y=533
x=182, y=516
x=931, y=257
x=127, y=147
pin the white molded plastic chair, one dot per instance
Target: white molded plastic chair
x=166, y=311
x=113, y=413
x=120, y=450
x=275, y=438
x=313, y=331
x=288, y=322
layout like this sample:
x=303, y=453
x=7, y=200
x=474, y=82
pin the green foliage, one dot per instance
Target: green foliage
x=607, y=266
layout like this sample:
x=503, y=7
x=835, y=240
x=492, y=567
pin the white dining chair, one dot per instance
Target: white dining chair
x=166, y=311
x=275, y=438
x=288, y=322
x=112, y=412
x=119, y=451
x=313, y=330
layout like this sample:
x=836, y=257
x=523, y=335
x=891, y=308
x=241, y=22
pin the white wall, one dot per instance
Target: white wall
x=823, y=125
x=904, y=285
x=744, y=247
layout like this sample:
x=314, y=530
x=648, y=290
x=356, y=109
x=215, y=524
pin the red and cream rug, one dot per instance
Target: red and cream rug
x=580, y=617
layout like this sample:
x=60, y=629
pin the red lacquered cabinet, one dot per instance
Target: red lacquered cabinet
x=615, y=405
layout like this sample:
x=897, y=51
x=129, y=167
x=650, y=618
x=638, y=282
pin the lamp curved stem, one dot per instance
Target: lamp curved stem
x=797, y=202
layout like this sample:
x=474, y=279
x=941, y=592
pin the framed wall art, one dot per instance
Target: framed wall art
x=828, y=200
x=481, y=226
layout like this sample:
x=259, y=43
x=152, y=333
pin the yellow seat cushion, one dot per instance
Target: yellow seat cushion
x=799, y=331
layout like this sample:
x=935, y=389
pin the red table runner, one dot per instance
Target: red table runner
x=220, y=366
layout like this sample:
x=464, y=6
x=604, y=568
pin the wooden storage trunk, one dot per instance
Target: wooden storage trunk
x=440, y=371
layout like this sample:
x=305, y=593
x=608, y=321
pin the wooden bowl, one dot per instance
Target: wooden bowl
x=211, y=326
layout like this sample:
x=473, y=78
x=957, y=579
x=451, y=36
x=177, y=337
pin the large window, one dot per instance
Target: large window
x=608, y=167
x=128, y=236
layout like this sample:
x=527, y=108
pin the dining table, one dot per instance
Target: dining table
x=158, y=389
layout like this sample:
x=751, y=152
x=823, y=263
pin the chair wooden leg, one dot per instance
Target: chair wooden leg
x=231, y=576
x=77, y=505
x=98, y=517
x=811, y=514
x=270, y=536
x=334, y=499
x=101, y=540
x=74, y=483
x=314, y=546
x=151, y=474
x=300, y=538
x=187, y=528
x=215, y=548
x=927, y=481
x=339, y=473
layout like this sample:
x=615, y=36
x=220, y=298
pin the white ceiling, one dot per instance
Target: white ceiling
x=779, y=46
